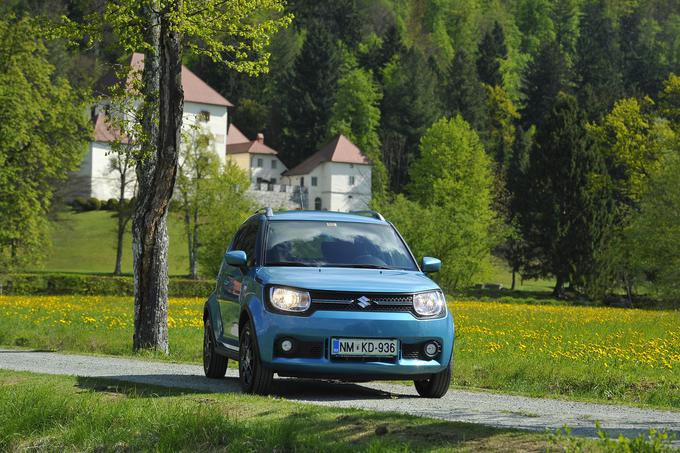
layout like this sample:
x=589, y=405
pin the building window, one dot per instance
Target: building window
x=272, y=181
x=274, y=164
x=314, y=181
x=203, y=116
x=302, y=181
x=260, y=163
x=351, y=180
x=317, y=204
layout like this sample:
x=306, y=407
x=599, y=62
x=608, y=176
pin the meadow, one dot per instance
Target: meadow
x=593, y=353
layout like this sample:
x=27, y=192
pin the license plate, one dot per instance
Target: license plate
x=363, y=347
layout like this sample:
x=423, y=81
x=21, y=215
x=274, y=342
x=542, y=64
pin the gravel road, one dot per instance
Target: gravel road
x=494, y=409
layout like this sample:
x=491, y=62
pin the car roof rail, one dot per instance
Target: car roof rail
x=266, y=211
x=369, y=213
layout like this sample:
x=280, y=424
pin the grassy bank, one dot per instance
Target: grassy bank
x=85, y=242
x=596, y=353
x=60, y=413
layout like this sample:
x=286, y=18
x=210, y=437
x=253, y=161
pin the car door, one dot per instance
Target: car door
x=232, y=280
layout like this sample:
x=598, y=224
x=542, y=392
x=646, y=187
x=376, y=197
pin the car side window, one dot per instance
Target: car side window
x=247, y=241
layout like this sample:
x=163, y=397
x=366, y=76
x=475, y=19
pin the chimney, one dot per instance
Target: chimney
x=260, y=137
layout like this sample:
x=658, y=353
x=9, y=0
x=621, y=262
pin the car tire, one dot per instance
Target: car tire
x=214, y=365
x=253, y=376
x=436, y=386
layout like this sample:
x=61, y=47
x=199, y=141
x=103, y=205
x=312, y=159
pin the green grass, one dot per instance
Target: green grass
x=589, y=353
x=86, y=243
x=60, y=413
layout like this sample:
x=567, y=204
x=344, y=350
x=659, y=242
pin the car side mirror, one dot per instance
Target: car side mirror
x=431, y=264
x=236, y=258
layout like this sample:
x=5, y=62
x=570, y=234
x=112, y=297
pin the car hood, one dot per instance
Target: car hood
x=347, y=279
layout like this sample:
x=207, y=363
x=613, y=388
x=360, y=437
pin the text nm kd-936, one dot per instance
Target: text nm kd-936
x=327, y=295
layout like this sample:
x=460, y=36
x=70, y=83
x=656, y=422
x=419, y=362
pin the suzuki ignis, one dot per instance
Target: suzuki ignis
x=327, y=295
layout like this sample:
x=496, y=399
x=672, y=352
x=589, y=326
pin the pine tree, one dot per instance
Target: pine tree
x=492, y=50
x=306, y=107
x=464, y=94
x=547, y=75
x=409, y=106
x=599, y=63
x=565, y=218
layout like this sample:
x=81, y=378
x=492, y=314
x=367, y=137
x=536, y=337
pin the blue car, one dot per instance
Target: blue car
x=327, y=295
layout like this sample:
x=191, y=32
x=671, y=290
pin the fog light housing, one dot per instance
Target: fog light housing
x=286, y=345
x=431, y=349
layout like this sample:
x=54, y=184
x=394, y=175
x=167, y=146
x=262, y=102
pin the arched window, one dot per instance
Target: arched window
x=317, y=204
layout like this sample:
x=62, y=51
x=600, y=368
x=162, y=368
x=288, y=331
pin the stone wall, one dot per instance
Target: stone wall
x=279, y=196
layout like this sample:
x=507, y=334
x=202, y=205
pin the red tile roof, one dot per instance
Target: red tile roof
x=340, y=149
x=195, y=89
x=235, y=136
x=253, y=147
x=103, y=132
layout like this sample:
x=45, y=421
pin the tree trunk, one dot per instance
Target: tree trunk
x=194, y=247
x=558, y=291
x=512, y=286
x=120, y=232
x=156, y=178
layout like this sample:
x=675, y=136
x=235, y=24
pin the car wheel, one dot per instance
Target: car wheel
x=214, y=365
x=254, y=377
x=436, y=386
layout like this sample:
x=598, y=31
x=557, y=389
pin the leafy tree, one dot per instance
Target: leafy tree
x=464, y=94
x=452, y=180
x=233, y=34
x=655, y=233
x=643, y=53
x=499, y=132
x=356, y=114
x=598, y=61
x=310, y=94
x=669, y=102
x=227, y=206
x=198, y=162
x=43, y=133
x=492, y=50
x=547, y=75
x=565, y=218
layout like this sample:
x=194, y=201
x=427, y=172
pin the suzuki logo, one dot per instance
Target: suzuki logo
x=363, y=301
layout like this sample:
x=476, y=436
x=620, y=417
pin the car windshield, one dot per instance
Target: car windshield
x=336, y=244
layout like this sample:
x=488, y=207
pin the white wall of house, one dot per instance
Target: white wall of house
x=104, y=182
x=216, y=124
x=333, y=186
x=268, y=167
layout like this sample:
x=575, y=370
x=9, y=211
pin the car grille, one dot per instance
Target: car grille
x=332, y=301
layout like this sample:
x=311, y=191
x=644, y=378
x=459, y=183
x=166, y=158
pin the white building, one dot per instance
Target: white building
x=261, y=161
x=202, y=106
x=337, y=177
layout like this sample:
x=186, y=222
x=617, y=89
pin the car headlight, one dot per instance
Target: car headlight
x=429, y=304
x=288, y=299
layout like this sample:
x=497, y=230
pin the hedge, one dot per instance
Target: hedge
x=93, y=285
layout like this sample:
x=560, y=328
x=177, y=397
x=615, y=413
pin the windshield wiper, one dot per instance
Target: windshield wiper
x=362, y=266
x=287, y=263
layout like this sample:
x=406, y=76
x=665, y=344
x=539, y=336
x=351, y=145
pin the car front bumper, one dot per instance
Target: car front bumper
x=321, y=326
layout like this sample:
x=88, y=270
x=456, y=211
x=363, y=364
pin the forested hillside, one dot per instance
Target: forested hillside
x=544, y=131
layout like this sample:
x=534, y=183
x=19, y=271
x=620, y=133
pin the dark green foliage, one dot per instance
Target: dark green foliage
x=409, y=106
x=93, y=204
x=565, y=216
x=464, y=93
x=492, y=50
x=94, y=285
x=547, y=75
x=599, y=61
x=111, y=204
x=307, y=105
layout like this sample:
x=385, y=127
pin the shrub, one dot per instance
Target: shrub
x=111, y=204
x=94, y=285
x=79, y=204
x=93, y=204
